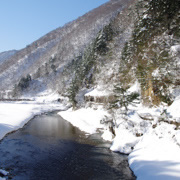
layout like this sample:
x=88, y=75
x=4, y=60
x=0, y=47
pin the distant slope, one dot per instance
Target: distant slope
x=117, y=44
x=6, y=55
x=63, y=43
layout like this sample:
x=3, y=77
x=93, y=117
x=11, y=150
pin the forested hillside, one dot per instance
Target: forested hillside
x=6, y=55
x=117, y=71
x=45, y=59
x=117, y=44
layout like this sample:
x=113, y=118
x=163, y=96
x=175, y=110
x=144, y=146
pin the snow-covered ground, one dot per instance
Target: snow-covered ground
x=155, y=158
x=14, y=115
x=149, y=136
x=153, y=144
x=87, y=120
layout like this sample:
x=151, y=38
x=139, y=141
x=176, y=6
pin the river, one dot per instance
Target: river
x=50, y=148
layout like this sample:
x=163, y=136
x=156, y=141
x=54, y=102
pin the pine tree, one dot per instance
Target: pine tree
x=72, y=92
x=124, y=98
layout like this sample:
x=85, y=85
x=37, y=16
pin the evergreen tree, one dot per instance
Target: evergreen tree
x=124, y=98
x=72, y=92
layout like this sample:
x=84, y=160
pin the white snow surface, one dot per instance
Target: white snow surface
x=135, y=88
x=155, y=152
x=174, y=109
x=107, y=135
x=97, y=92
x=175, y=49
x=154, y=158
x=13, y=115
x=153, y=145
x=123, y=141
x=87, y=120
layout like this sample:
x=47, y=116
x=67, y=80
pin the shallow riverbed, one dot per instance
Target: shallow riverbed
x=48, y=147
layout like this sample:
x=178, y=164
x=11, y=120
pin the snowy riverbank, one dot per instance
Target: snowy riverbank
x=13, y=115
x=153, y=146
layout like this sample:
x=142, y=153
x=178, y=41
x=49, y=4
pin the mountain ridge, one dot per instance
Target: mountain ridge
x=119, y=43
x=6, y=54
x=40, y=51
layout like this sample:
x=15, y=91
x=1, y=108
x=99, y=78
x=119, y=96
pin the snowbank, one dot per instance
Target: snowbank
x=48, y=96
x=174, y=109
x=14, y=115
x=156, y=159
x=153, y=146
x=87, y=120
x=124, y=141
x=107, y=135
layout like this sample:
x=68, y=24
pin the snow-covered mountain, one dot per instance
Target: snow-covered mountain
x=118, y=67
x=6, y=55
x=56, y=49
x=119, y=43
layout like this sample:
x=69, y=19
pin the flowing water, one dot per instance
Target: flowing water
x=50, y=148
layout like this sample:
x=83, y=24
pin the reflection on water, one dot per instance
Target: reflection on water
x=51, y=126
x=50, y=148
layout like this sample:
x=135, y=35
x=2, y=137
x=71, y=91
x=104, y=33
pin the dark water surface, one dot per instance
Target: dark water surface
x=49, y=147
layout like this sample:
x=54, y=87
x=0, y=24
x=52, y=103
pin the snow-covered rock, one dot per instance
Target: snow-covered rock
x=5, y=173
x=175, y=49
x=124, y=141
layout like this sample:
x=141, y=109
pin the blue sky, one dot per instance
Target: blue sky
x=24, y=21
